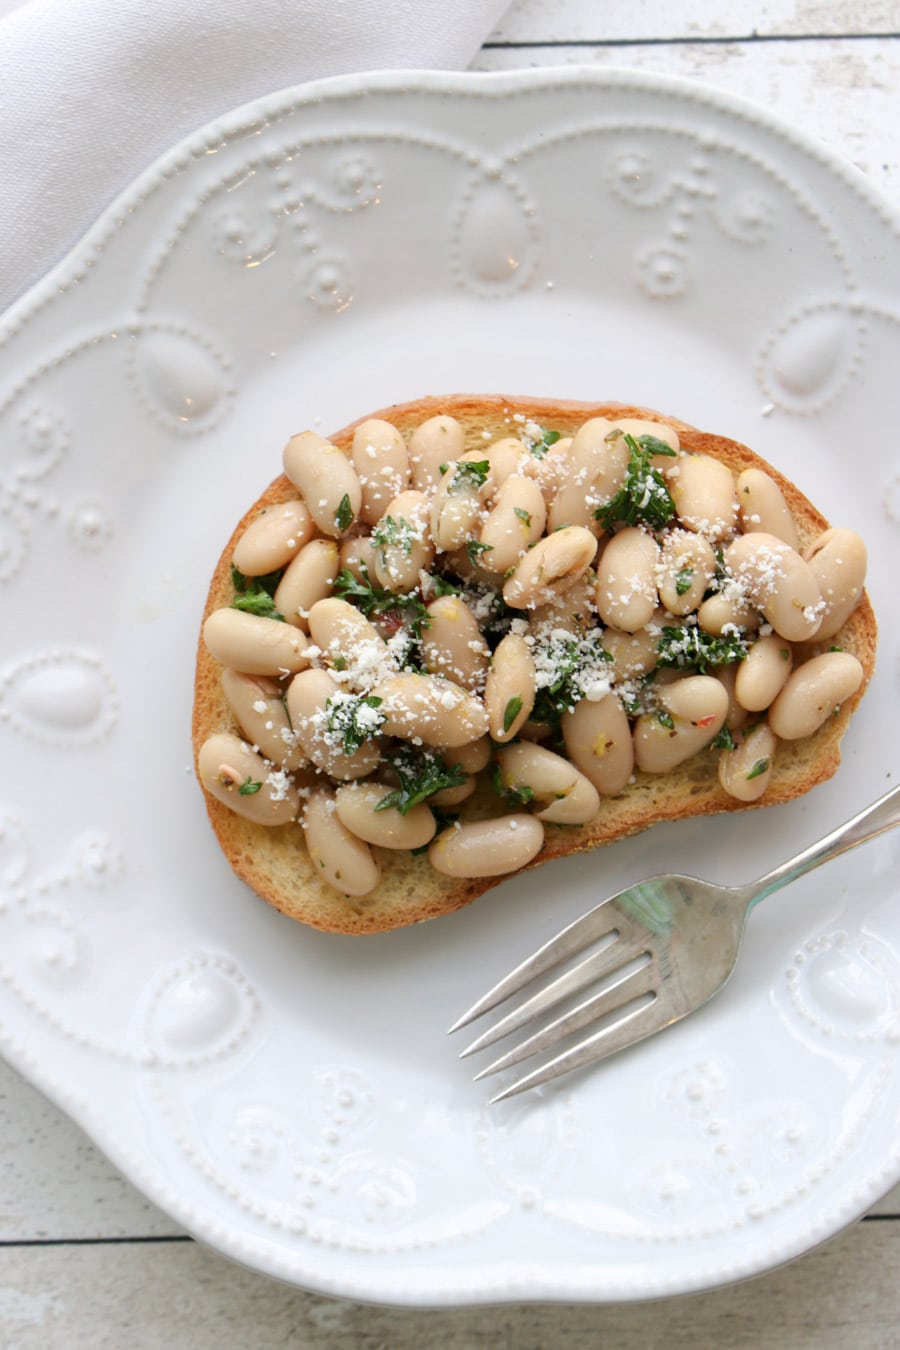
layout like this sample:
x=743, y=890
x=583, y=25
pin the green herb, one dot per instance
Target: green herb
x=259, y=602
x=723, y=740
x=572, y=659
x=665, y=718
x=375, y=602
x=511, y=712
x=785, y=652
x=254, y=595
x=683, y=579
x=268, y=582
x=350, y=718
x=475, y=548
x=758, y=768
x=471, y=472
x=540, y=447
x=643, y=499
x=344, y=514
x=421, y=774
x=688, y=646
x=390, y=531
x=523, y=515
x=249, y=787
x=634, y=702
x=512, y=794
x=439, y=585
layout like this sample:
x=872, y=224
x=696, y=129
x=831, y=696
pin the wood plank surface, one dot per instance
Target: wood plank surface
x=178, y=1294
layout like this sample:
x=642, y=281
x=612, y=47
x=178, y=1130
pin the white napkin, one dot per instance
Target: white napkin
x=91, y=91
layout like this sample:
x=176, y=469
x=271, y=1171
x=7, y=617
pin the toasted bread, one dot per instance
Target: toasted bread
x=275, y=863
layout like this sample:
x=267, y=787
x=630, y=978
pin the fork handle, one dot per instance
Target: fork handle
x=875, y=819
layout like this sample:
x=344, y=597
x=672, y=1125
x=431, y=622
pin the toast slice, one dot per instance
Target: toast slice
x=274, y=861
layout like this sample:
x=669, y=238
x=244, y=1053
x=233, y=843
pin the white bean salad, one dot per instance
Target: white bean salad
x=536, y=622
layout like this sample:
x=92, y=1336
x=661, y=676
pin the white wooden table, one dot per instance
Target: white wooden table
x=86, y=1261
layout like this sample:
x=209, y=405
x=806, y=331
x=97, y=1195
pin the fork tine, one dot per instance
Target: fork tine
x=596, y=923
x=631, y=983
x=620, y=1035
x=611, y=957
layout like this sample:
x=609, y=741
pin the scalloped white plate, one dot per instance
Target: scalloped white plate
x=291, y=1097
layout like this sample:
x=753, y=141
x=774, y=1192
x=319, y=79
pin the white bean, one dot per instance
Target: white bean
x=727, y=610
x=626, y=580
x=381, y=464
x=312, y=700
x=338, y=856
x=598, y=740
x=474, y=757
x=438, y=440
x=244, y=782
x=814, y=691
x=273, y=538
x=553, y=566
x=346, y=638
x=357, y=555
x=687, y=564
x=437, y=711
x=258, y=708
x=763, y=672
x=358, y=807
x=403, y=546
x=838, y=560
x=310, y=577
x=487, y=848
x=515, y=521
x=325, y=479
x=452, y=644
x=597, y=462
x=564, y=794
x=744, y=772
x=762, y=507
x=777, y=581
x=511, y=687
x=253, y=644
x=703, y=491
x=694, y=709
x=457, y=506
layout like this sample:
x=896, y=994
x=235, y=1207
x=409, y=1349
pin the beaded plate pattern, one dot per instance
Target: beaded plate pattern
x=290, y=1096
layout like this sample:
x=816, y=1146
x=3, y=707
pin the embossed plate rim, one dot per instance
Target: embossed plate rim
x=292, y=1263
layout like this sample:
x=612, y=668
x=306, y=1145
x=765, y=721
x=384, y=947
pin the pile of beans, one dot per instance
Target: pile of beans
x=415, y=596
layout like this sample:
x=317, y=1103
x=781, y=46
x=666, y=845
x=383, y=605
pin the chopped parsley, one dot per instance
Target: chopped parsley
x=470, y=473
x=683, y=580
x=344, y=514
x=354, y=719
x=567, y=666
x=390, y=531
x=511, y=712
x=512, y=794
x=254, y=595
x=687, y=646
x=759, y=768
x=249, y=787
x=723, y=740
x=523, y=515
x=643, y=499
x=421, y=773
x=475, y=548
x=375, y=602
x=543, y=443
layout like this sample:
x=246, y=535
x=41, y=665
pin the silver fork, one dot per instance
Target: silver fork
x=662, y=949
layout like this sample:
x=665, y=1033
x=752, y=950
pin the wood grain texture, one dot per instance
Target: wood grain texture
x=179, y=1295
x=832, y=71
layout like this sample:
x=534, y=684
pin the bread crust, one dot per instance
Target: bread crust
x=274, y=861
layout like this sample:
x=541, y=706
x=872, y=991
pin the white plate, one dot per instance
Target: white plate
x=291, y=1097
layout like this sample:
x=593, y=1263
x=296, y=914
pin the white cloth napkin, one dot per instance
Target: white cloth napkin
x=91, y=91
